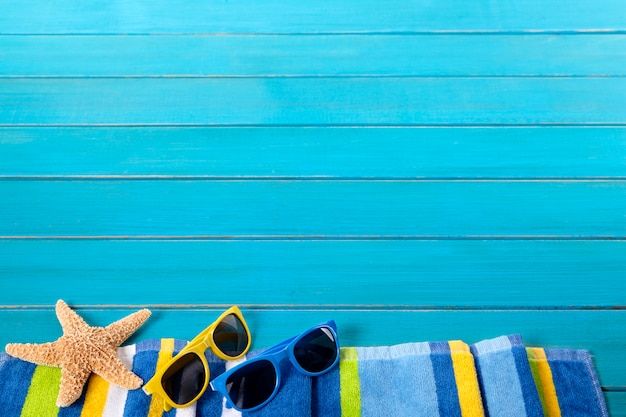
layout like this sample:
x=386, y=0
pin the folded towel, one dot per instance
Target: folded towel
x=430, y=379
x=507, y=383
x=493, y=377
x=567, y=383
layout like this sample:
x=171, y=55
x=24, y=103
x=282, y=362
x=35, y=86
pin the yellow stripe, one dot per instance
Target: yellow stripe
x=466, y=380
x=42, y=393
x=165, y=354
x=350, y=388
x=534, y=370
x=96, y=397
x=543, y=379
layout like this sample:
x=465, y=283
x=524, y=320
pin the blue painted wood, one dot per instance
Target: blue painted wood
x=249, y=16
x=376, y=55
x=427, y=208
x=362, y=328
x=451, y=274
x=313, y=101
x=535, y=152
x=616, y=402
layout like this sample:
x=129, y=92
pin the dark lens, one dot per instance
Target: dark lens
x=252, y=384
x=183, y=381
x=316, y=351
x=230, y=336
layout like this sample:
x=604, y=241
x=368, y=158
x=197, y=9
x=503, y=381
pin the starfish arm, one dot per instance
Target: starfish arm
x=122, y=329
x=42, y=354
x=112, y=369
x=73, y=379
x=70, y=321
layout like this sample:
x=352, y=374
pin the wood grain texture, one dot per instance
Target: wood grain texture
x=249, y=16
x=616, y=402
x=313, y=101
x=366, y=328
x=308, y=55
x=520, y=152
x=314, y=208
x=451, y=274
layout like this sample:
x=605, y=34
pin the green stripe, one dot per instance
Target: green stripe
x=349, y=380
x=42, y=394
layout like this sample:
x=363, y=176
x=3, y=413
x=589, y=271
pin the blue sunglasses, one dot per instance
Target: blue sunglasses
x=255, y=382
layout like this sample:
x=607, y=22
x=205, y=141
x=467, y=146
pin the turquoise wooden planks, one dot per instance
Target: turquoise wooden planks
x=361, y=328
x=248, y=16
x=616, y=402
x=448, y=152
x=313, y=101
x=367, y=274
x=348, y=55
x=275, y=208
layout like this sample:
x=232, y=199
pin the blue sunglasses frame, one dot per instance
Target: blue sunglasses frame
x=275, y=355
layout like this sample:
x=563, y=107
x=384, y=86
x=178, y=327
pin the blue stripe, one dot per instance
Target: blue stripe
x=15, y=377
x=152, y=344
x=179, y=345
x=397, y=381
x=497, y=374
x=532, y=403
x=325, y=395
x=447, y=392
x=576, y=384
x=144, y=365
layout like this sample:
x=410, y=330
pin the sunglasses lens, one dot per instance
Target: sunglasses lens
x=317, y=351
x=230, y=336
x=252, y=384
x=184, y=379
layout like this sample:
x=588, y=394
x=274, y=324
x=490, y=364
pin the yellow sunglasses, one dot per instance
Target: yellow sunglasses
x=185, y=377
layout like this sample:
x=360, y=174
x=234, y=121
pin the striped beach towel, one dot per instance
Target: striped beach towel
x=497, y=377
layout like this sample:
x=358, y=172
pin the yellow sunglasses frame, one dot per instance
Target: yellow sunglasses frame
x=197, y=345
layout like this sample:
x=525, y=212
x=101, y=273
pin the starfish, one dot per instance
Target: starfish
x=84, y=349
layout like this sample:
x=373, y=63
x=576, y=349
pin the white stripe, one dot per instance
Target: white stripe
x=116, y=397
x=189, y=411
x=226, y=411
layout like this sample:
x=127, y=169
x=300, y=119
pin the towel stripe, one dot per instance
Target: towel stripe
x=447, y=393
x=96, y=397
x=467, y=383
x=532, y=403
x=349, y=383
x=15, y=376
x=543, y=379
x=43, y=392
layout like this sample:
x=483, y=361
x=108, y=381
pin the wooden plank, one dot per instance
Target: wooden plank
x=547, y=152
x=348, y=55
x=275, y=208
x=366, y=328
x=248, y=16
x=616, y=402
x=313, y=101
x=554, y=274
